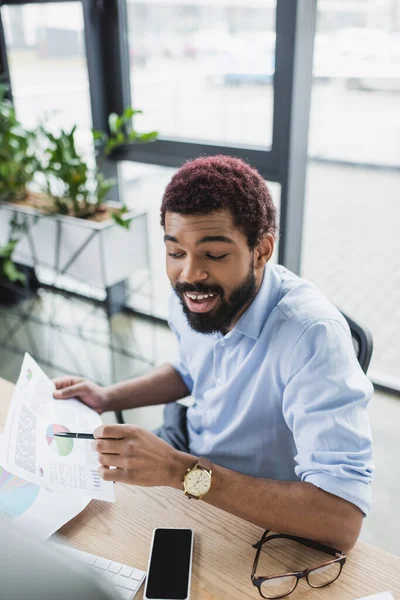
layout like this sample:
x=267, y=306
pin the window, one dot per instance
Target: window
x=204, y=71
x=351, y=239
x=48, y=70
x=355, y=105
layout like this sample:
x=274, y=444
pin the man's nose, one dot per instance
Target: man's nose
x=193, y=271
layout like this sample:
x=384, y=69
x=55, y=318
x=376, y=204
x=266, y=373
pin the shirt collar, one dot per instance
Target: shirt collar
x=253, y=319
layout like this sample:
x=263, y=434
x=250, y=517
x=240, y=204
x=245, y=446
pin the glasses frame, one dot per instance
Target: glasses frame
x=340, y=558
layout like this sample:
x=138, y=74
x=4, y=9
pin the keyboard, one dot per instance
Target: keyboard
x=126, y=580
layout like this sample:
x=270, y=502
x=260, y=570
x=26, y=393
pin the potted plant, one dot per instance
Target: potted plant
x=76, y=234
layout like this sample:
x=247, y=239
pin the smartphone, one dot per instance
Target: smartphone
x=170, y=565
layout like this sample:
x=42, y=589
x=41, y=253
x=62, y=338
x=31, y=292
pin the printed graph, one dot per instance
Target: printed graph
x=61, y=446
x=16, y=495
x=96, y=481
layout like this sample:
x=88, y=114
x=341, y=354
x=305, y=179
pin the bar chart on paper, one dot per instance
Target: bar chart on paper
x=61, y=446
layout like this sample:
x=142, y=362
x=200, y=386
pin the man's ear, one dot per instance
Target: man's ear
x=263, y=251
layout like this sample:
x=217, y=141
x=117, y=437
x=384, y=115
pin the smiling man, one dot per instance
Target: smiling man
x=278, y=432
x=211, y=305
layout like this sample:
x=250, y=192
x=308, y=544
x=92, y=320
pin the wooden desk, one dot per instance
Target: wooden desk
x=223, y=556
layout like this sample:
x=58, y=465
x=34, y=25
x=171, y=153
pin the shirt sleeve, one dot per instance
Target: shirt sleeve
x=325, y=406
x=179, y=364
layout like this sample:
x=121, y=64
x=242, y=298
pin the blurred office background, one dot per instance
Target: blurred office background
x=205, y=75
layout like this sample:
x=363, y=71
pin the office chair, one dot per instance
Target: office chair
x=362, y=342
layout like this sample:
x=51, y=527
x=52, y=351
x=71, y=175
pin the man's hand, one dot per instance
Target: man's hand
x=140, y=457
x=86, y=391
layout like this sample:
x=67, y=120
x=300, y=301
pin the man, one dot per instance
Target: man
x=280, y=402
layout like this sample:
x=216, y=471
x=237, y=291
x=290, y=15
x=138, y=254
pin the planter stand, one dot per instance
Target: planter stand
x=116, y=297
x=85, y=257
x=84, y=270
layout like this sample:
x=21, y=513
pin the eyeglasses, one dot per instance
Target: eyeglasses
x=279, y=586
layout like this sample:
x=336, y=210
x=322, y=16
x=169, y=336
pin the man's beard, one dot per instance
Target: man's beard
x=228, y=309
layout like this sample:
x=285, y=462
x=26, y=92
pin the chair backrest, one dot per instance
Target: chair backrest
x=362, y=341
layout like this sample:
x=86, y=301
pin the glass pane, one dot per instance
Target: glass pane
x=355, y=104
x=142, y=188
x=351, y=239
x=204, y=71
x=324, y=575
x=279, y=556
x=46, y=53
x=279, y=586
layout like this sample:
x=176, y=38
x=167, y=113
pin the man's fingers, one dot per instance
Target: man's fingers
x=106, y=446
x=111, y=460
x=61, y=382
x=116, y=432
x=69, y=392
x=111, y=474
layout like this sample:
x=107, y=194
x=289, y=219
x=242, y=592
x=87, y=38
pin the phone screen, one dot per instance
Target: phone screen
x=169, y=570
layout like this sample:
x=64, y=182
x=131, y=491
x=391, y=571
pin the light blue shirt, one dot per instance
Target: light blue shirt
x=282, y=395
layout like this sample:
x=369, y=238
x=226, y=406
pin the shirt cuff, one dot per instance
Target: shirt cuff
x=185, y=376
x=355, y=491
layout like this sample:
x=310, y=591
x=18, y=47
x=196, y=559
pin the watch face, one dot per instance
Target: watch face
x=197, y=482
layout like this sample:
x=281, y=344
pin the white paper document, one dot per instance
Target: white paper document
x=36, y=509
x=32, y=452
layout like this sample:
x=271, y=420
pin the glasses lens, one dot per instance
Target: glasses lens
x=324, y=575
x=278, y=586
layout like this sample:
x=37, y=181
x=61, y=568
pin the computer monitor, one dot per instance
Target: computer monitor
x=40, y=571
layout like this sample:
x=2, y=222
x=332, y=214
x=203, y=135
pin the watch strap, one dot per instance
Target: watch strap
x=204, y=463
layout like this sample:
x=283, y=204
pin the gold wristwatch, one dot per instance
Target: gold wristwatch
x=197, y=480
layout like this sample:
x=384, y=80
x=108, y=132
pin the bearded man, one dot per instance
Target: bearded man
x=278, y=432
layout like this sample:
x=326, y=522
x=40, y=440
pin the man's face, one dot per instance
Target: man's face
x=211, y=269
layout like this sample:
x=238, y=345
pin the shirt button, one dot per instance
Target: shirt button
x=222, y=342
x=218, y=379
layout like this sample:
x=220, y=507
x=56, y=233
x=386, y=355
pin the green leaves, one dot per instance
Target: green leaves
x=8, y=269
x=121, y=132
x=147, y=137
x=66, y=171
x=71, y=184
x=7, y=250
x=113, y=123
x=103, y=186
x=116, y=122
x=99, y=136
x=118, y=217
x=18, y=162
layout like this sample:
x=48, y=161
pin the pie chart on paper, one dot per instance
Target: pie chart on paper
x=63, y=446
x=16, y=495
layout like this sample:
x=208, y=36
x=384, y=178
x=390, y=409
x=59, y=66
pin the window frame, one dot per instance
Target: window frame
x=284, y=162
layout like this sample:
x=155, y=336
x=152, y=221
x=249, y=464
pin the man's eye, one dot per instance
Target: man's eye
x=217, y=257
x=175, y=254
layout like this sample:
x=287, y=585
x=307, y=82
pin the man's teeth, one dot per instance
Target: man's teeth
x=199, y=296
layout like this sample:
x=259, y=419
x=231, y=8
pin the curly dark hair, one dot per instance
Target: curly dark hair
x=212, y=183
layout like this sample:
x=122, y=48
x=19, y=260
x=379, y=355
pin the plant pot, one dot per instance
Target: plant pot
x=99, y=254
